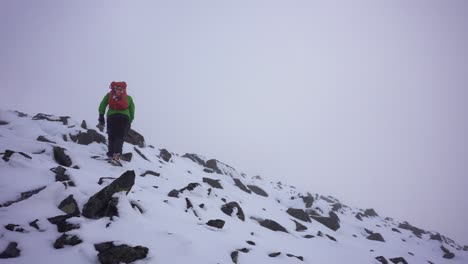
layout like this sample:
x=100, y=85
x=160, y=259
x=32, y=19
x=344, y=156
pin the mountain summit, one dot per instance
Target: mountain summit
x=62, y=202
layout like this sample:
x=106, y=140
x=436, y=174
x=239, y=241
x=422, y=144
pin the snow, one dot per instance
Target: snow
x=173, y=233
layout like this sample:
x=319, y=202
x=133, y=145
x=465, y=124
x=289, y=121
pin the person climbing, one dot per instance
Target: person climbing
x=119, y=118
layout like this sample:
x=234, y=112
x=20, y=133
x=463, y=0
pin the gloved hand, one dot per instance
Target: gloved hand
x=101, y=120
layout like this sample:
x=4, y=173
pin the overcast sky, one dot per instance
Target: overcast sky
x=362, y=100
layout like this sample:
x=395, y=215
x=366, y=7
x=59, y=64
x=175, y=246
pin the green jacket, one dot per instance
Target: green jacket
x=130, y=111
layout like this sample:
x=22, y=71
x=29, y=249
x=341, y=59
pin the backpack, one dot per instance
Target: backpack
x=118, y=101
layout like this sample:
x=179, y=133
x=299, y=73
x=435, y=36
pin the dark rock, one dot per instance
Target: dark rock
x=308, y=200
x=234, y=256
x=111, y=254
x=61, y=222
x=44, y=139
x=25, y=155
x=370, y=213
x=218, y=223
x=127, y=157
x=102, y=179
x=63, y=119
x=299, y=227
x=250, y=242
x=83, y=125
x=165, y=155
x=195, y=158
x=88, y=137
x=34, y=224
x=331, y=238
x=437, y=237
x=64, y=137
x=274, y=255
x=376, y=237
x=188, y=203
x=61, y=158
x=137, y=206
x=336, y=207
x=20, y=114
x=396, y=230
x=410, y=253
x=69, y=206
x=15, y=228
x=359, y=216
x=332, y=222
x=416, y=231
x=399, y=260
x=308, y=236
x=229, y=208
x=382, y=259
x=149, y=172
x=190, y=187
x=298, y=257
x=2, y=123
x=272, y=225
x=97, y=204
x=201, y=206
x=299, y=214
x=208, y=170
x=173, y=193
x=213, y=183
x=257, y=190
x=244, y=250
x=465, y=248
x=447, y=253
x=24, y=196
x=213, y=164
x=135, y=138
x=60, y=174
x=141, y=154
x=7, y=155
x=67, y=240
x=11, y=251
x=241, y=185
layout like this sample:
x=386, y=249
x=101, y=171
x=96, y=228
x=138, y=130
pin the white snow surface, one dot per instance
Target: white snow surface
x=171, y=232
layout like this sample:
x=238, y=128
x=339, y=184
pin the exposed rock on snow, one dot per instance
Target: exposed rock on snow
x=62, y=158
x=213, y=183
x=111, y=254
x=88, y=137
x=257, y=190
x=229, y=209
x=299, y=214
x=165, y=155
x=135, y=138
x=11, y=251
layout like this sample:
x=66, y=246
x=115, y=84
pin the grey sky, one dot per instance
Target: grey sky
x=362, y=100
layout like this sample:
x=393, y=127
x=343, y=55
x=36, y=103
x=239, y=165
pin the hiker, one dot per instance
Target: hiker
x=119, y=117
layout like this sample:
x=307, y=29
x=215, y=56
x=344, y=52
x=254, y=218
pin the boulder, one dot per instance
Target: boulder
x=15, y=228
x=234, y=256
x=416, y=231
x=272, y=225
x=382, y=260
x=218, y=223
x=332, y=222
x=141, y=154
x=96, y=206
x=111, y=254
x=213, y=183
x=69, y=206
x=44, y=139
x=229, y=208
x=299, y=227
x=61, y=158
x=299, y=214
x=447, y=253
x=370, y=213
x=274, y=255
x=11, y=251
x=165, y=155
x=60, y=174
x=88, y=137
x=399, y=260
x=67, y=240
x=257, y=190
x=241, y=186
x=135, y=138
x=308, y=200
x=84, y=125
x=195, y=158
x=376, y=237
x=61, y=222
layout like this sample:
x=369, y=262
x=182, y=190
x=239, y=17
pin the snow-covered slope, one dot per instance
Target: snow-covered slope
x=178, y=208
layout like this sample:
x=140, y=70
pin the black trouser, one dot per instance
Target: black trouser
x=117, y=128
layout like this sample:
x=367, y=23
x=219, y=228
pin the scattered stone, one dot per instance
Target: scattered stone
x=34, y=224
x=149, y=172
x=24, y=196
x=136, y=205
x=241, y=186
x=61, y=158
x=370, y=213
x=190, y=187
x=135, y=138
x=308, y=200
x=229, y=208
x=15, y=228
x=111, y=254
x=416, y=231
x=399, y=260
x=244, y=250
x=61, y=222
x=447, y=253
x=308, y=236
x=218, y=223
x=332, y=222
x=234, y=256
x=396, y=230
x=274, y=255
x=165, y=155
x=174, y=193
x=336, y=207
x=376, y=237
x=382, y=260
x=437, y=237
x=195, y=158
x=60, y=175
x=11, y=251
x=213, y=164
x=83, y=125
x=2, y=123
x=127, y=157
x=298, y=257
x=67, y=240
x=88, y=137
x=299, y=227
x=201, y=206
x=250, y=242
x=330, y=237
x=188, y=203
x=272, y=225
x=141, y=154
x=44, y=139
x=63, y=119
x=96, y=206
x=213, y=183
x=299, y=214
x=257, y=190
x=69, y=206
